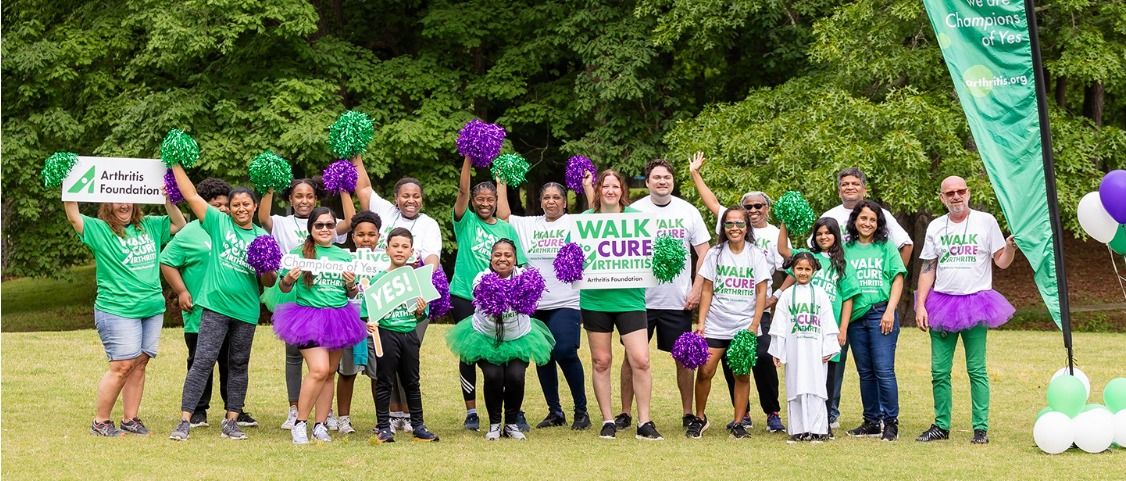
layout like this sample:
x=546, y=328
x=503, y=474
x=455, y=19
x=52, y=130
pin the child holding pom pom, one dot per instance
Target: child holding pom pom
x=735, y=274
x=803, y=338
x=501, y=340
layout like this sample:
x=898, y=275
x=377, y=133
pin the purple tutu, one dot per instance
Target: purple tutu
x=954, y=313
x=327, y=327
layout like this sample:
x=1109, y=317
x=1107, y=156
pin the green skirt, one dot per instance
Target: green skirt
x=471, y=346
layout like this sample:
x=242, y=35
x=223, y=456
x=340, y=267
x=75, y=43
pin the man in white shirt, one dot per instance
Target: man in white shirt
x=669, y=306
x=956, y=257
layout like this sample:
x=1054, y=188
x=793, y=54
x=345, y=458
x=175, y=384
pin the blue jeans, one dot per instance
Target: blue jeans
x=565, y=327
x=874, y=353
x=834, y=380
x=125, y=338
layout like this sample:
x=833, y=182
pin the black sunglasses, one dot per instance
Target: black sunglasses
x=753, y=206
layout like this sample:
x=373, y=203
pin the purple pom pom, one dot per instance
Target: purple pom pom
x=441, y=306
x=340, y=176
x=173, y=190
x=481, y=142
x=263, y=254
x=690, y=350
x=568, y=263
x=576, y=167
x=527, y=290
x=491, y=294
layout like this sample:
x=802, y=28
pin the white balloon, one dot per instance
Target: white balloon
x=1053, y=432
x=1120, y=428
x=1094, y=430
x=1094, y=218
x=1078, y=374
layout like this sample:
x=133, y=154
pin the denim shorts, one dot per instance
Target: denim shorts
x=125, y=338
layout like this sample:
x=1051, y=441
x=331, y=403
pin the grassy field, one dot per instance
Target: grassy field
x=49, y=378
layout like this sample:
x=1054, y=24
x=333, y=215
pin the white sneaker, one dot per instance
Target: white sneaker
x=320, y=433
x=513, y=431
x=396, y=424
x=331, y=423
x=405, y=423
x=290, y=419
x=494, y=432
x=300, y=433
x=344, y=425
x=835, y=424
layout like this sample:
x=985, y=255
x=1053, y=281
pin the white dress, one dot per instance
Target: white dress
x=803, y=333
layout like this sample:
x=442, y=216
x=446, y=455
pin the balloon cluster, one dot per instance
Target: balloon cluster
x=1102, y=214
x=1069, y=419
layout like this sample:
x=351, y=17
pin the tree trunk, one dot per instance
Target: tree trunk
x=1061, y=93
x=1094, y=97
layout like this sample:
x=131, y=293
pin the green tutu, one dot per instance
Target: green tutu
x=471, y=346
x=272, y=296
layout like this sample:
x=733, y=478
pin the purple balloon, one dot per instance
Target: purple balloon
x=1112, y=193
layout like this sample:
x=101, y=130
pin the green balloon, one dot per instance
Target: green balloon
x=1067, y=395
x=1114, y=394
x=1118, y=243
x=1044, y=411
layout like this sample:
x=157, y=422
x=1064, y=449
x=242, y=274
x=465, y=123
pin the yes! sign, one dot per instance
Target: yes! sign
x=399, y=286
x=113, y=179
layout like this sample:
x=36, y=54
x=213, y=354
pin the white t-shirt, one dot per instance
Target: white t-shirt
x=516, y=325
x=541, y=240
x=427, y=234
x=766, y=238
x=683, y=221
x=734, y=277
x=291, y=232
x=964, y=251
x=896, y=234
x=803, y=333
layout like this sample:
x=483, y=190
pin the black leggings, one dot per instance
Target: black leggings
x=191, y=339
x=765, y=374
x=400, y=358
x=504, y=387
x=463, y=310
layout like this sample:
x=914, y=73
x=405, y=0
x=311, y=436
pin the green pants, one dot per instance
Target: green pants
x=942, y=360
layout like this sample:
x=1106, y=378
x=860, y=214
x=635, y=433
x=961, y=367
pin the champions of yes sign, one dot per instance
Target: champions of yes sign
x=618, y=249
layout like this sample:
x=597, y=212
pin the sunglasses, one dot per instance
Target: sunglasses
x=736, y=224
x=324, y=225
x=753, y=206
x=958, y=192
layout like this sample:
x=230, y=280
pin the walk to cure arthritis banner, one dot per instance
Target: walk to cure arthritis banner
x=988, y=51
x=618, y=249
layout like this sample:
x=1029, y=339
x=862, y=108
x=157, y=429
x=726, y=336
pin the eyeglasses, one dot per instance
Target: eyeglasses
x=958, y=192
x=324, y=225
x=753, y=206
x=735, y=224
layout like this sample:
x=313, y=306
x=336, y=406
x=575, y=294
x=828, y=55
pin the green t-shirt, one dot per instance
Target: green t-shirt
x=188, y=253
x=612, y=300
x=328, y=287
x=838, y=288
x=400, y=319
x=127, y=271
x=875, y=265
x=230, y=287
x=475, y=240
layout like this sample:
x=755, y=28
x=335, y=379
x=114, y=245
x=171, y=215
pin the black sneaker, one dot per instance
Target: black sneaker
x=747, y=422
x=797, y=438
x=818, y=438
x=382, y=436
x=245, y=420
x=199, y=419
x=737, y=430
x=182, y=431
x=696, y=427
x=686, y=420
x=774, y=423
x=553, y=419
x=648, y=432
x=865, y=429
x=472, y=422
x=623, y=421
x=935, y=433
x=980, y=437
x=106, y=429
x=422, y=434
x=609, y=430
x=891, y=430
x=134, y=426
x=581, y=422
x=522, y=422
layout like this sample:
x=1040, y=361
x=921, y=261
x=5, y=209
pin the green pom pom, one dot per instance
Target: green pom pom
x=742, y=354
x=794, y=211
x=269, y=171
x=510, y=169
x=57, y=167
x=179, y=148
x=350, y=134
x=668, y=257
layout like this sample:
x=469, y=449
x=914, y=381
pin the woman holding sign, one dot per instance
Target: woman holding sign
x=129, y=307
x=605, y=309
x=229, y=297
x=541, y=238
x=321, y=323
x=475, y=233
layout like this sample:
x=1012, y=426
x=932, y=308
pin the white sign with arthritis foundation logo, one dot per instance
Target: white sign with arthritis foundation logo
x=115, y=179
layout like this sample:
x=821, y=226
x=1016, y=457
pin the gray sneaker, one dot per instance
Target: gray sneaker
x=231, y=430
x=181, y=433
x=134, y=426
x=344, y=425
x=320, y=433
x=290, y=418
x=105, y=429
x=300, y=432
x=331, y=422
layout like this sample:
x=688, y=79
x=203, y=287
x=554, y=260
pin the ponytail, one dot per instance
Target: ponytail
x=308, y=251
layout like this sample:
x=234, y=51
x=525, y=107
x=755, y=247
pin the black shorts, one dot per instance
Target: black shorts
x=718, y=343
x=669, y=324
x=626, y=322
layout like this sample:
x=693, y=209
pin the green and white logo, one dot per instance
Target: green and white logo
x=86, y=182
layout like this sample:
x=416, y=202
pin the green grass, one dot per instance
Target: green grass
x=43, y=304
x=49, y=379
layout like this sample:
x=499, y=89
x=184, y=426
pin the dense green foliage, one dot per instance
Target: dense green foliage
x=782, y=93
